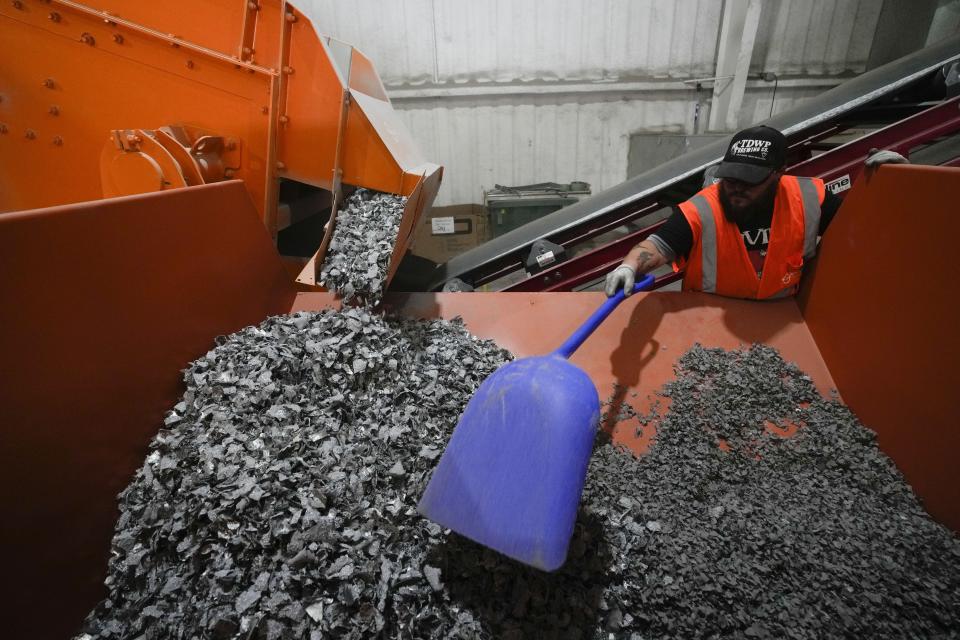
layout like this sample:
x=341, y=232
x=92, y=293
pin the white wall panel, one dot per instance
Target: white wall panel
x=398, y=36
x=541, y=140
x=827, y=37
x=513, y=91
x=946, y=21
x=500, y=142
x=482, y=41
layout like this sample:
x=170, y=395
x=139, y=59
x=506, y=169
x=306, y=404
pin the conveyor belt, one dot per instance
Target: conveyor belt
x=638, y=196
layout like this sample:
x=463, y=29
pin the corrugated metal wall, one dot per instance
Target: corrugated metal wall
x=539, y=140
x=815, y=37
x=417, y=42
x=506, y=40
x=516, y=92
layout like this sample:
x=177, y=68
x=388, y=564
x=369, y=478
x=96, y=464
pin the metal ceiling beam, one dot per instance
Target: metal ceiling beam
x=737, y=36
x=479, y=92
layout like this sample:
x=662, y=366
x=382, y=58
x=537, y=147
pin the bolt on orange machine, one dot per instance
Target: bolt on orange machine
x=136, y=97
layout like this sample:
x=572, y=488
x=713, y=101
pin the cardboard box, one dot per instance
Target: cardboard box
x=445, y=232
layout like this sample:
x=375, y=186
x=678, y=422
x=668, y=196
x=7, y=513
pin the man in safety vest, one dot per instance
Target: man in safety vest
x=747, y=235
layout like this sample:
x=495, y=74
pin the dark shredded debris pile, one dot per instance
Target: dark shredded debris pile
x=812, y=536
x=362, y=245
x=281, y=503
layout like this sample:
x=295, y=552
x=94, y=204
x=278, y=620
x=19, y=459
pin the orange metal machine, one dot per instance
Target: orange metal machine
x=137, y=97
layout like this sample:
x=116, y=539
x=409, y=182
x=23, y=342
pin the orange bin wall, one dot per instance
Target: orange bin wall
x=883, y=306
x=103, y=304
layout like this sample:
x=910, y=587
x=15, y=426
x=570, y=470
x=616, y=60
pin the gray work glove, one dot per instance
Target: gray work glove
x=622, y=277
x=885, y=156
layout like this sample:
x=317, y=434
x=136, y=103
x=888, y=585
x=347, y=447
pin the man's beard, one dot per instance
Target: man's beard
x=759, y=209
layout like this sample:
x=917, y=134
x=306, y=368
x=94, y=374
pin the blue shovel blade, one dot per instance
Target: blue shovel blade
x=513, y=471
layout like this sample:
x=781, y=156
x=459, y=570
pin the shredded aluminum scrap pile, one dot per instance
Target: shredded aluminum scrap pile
x=812, y=536
x=281, y=503
x=362, y=245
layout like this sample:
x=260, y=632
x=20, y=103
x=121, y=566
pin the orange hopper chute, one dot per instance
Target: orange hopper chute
x=129, y=98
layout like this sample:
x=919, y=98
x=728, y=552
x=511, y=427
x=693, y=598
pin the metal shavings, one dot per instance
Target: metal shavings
x=817, y=535
x=361, y=247
x=280, y=500
x=807, y=537
x=432, y=575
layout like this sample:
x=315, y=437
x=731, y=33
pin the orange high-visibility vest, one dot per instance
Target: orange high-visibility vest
x=718, y=261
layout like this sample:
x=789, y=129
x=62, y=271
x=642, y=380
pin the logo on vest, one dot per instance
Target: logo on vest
x=790, y=277
x=751, y=148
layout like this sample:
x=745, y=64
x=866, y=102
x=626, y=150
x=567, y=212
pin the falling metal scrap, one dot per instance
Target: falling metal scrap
x=362, y=246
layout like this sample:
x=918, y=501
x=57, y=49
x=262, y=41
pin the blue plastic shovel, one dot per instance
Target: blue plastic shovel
x=512, y=473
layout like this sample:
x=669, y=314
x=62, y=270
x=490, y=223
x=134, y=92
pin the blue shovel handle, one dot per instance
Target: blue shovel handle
x=573, y=342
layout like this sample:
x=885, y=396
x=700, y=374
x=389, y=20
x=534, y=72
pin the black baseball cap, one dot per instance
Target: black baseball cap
x=753, y=155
